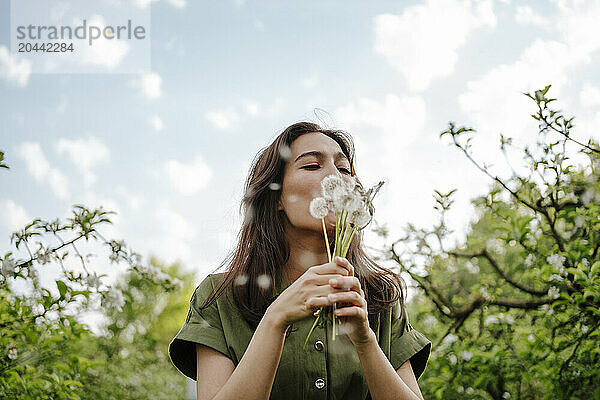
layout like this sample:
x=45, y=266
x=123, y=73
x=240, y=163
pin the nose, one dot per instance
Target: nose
x=331, y=169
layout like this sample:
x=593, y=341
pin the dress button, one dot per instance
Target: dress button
x=320, y=383
x=319, y=345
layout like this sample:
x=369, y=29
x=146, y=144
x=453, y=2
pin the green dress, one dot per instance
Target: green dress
x=326, y=369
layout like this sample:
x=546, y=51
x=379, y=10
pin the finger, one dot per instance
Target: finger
x=350, y=297
x=344, y=263
x=346, y=283
x=329, y=268
x=350, y=312
x=317, y=302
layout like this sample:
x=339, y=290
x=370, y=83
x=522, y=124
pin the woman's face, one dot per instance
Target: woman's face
x=313, y=157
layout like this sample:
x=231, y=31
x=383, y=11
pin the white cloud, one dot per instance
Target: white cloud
x=12, y=69
x=422, y=43
x=103, y=52
x=399, y=120
x=222, y=119
x=13, y=216
x=189, y=178
x=173, y=235
x=132, y=200
x=146, y=3
x=251, y=108
x=156, y=123
x=494, y=102
x=526, y=16
x=383, y=133
x=589, y=95
x=85, y=154
x=310, y=81
x=39, y=167
x=259, y=25
x=150, y=84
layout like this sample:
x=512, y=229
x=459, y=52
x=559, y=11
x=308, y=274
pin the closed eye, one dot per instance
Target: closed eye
x=313, y=167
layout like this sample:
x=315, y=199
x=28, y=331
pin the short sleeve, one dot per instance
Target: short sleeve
x=407, y=343
x=200, y=327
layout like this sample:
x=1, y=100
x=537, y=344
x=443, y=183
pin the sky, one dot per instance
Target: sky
x=168, y=147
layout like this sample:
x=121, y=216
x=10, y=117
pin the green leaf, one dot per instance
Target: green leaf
x=62, y=288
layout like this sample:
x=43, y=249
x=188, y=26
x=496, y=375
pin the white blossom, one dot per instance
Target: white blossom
x=452, y=359
x=466, y=355
x=506, y=395
x=115, y=298
x=12, y=352
x=555, y=277
x=531, y=338
x=553, y=292
x=529, y=260
x=491, y=320
x=556, y=260
x=93, y=280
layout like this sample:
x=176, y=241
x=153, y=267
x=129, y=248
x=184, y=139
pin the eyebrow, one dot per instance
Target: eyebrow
x=320, y=154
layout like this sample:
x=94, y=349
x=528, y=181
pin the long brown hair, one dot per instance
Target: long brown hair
x=262, y=247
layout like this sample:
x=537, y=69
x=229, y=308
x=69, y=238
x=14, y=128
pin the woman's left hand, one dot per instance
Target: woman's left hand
x=351, y=305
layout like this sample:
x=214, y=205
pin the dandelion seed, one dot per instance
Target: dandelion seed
x=285, y=152
x=241, y=280
x=263, y=281
x=274, y=186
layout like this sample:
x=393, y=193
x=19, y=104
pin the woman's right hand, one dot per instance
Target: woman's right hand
x=307, y=294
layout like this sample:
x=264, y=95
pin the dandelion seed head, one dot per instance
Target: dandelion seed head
x=274, y=186
x=241, y=279
x=318, y=207
x=263, y=281
x=331, y=186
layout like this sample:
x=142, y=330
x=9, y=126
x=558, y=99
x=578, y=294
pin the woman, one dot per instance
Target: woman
x=245, y=330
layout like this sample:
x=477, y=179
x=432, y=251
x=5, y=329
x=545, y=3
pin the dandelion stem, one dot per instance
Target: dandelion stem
x=313, y=327
x=326, y=239
x=347, y=244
